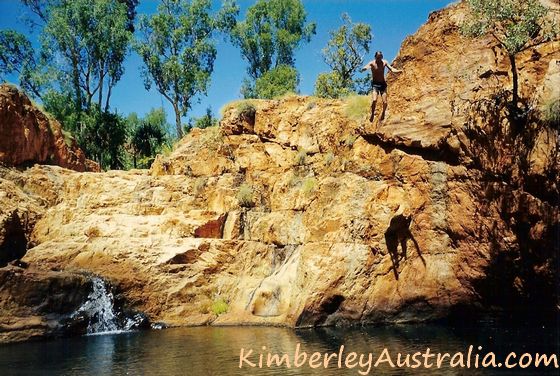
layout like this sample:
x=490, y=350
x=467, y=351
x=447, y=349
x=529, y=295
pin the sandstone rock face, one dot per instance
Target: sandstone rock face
x=28, y=135
x=299, y=213
x=35, y=303
x=24, y=198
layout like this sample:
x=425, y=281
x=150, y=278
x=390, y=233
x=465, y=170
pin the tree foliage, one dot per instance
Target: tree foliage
x=88, y=41
x=178, y=51
x=205, y=121
x=158, y=118
x=331, y=85
x=146, y=140
x=270, y=34
x=102, y=135
x=515, y=24
x=17, y=56
x=344, y=53
x=41, y=9
x=147, y=136
x=276, y=82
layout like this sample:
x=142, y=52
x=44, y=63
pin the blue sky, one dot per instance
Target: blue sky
x=391, y=22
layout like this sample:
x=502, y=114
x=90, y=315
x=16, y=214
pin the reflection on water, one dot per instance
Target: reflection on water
x=215, y=351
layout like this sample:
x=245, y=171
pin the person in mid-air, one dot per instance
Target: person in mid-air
x=377, y=67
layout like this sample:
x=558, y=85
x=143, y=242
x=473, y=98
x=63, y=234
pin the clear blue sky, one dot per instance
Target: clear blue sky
x=391, y=22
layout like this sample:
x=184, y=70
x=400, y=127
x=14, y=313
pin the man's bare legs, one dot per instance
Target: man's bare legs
x=373, y=104
x=384, y=100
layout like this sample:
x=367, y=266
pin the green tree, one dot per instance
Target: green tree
x=83, y=46
x=102, y=135
x=178, y=51
x=146, y=140
x=344, y=54
x=60, y=105
x=17, y=56
x=270, y=34
x=277, y=81
x=158, y=117
x=331, y=85
x=515, y=24
x=133, y=121
x=147, y=136
x=206, y=120
x=88, y=41
x=41, y=9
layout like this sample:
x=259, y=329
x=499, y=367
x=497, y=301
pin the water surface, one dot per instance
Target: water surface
x=216, y=350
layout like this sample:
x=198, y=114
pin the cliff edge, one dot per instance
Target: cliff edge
x=28, y=136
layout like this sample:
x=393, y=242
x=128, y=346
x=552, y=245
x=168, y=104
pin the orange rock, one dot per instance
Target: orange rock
x=28, y=136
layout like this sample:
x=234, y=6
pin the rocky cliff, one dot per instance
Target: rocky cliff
x=299, y=212
x=28, y=136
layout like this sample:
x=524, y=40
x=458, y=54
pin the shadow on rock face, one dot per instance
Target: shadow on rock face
x=397, y=233
x=13, y=242
x=318, y=316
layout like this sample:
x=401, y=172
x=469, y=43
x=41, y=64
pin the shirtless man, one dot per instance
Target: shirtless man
x=377, y=67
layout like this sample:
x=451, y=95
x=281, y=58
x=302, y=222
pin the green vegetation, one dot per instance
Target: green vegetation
x=301, y=157
x=206, y=121
x=245, y=195
x=331, y=85
x=78, y=63
x=516, y=25
x=268, y=37
x=245, y=109
x=551, y=113
x=357, y=107
x=87, y=43
x=147, y=137
x=167, y=149
x=146, y=140
x=350, y=139
x=178, y=52
x=277, y=82
x=344, y=54
x=308, y=186
x=80, y=60
x=219, y=306
x=17, y=57
x=68, y=138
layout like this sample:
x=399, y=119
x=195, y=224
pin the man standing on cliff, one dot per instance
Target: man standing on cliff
x=377, y=67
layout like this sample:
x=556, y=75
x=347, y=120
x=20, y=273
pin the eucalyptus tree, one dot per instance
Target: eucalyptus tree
x=88, y=41
x=515, y=24
x=344, y=54
x=269, y=36
x=17, y=57
x=177, y=47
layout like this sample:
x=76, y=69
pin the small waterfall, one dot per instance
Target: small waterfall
x=98, y=310
x=103, y=316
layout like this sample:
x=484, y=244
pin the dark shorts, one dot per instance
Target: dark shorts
x=380, y=87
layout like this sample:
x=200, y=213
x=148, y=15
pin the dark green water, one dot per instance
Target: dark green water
x=215, y=351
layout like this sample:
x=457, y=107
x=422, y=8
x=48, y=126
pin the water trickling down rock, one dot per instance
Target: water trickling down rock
x=102, y=314
x=99, y=309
